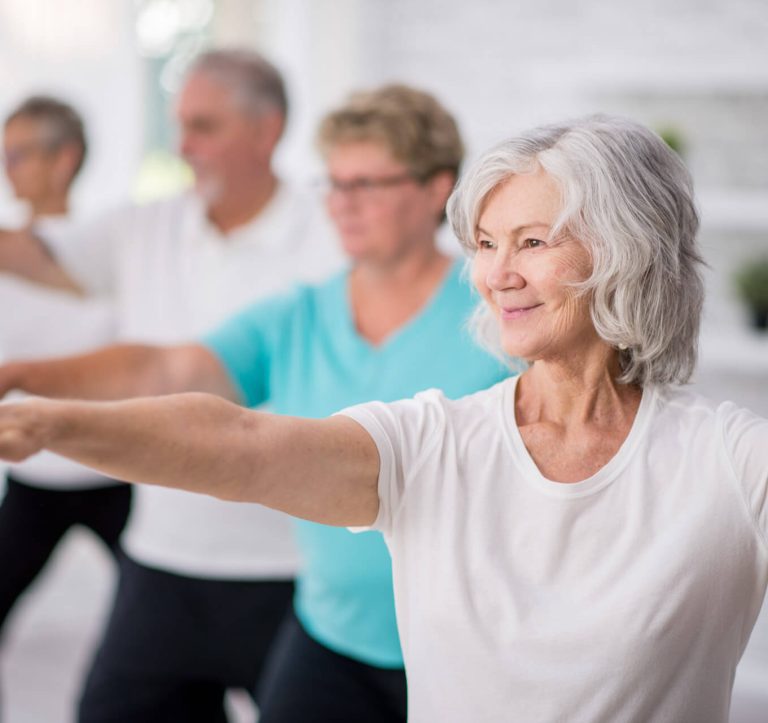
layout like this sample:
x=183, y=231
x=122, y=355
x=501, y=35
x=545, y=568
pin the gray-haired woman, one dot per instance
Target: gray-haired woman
x=585, y=542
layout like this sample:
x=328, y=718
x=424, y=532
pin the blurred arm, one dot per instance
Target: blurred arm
x=23, y=254
x=120, y=371
x=322, y=470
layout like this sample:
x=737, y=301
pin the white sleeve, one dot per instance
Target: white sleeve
x=405, y=433
x=88, y=250
x=746, y=440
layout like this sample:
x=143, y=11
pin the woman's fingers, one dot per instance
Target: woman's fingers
x=18, y=438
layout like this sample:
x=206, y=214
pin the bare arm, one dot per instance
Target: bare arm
x=321, y=470
x=23, y=254
x=120, y=371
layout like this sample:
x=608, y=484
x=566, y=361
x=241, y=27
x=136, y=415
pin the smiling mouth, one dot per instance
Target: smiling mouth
x=517, y=312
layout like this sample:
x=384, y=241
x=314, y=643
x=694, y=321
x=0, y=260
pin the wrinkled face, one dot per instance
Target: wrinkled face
x=524, y=277
x=30, y=163
x=379, y=209
x=223, y=145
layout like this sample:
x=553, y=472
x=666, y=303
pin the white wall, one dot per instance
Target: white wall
x=82, y=51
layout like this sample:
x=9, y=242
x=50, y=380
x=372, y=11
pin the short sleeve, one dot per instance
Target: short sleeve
x=246, y=344
x=746, y=441
x=405, y=433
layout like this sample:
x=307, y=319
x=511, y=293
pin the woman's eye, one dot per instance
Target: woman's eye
x=484, y=243
x=532, y=243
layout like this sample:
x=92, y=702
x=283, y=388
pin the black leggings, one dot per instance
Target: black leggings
x=174, y=644
x=305, y=681
x=33, y=520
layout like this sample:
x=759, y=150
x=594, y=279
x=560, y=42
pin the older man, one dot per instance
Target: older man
x=204, y=583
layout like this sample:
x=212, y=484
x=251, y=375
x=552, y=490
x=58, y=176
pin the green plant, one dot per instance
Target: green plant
x=752, y=283
x=673, y=137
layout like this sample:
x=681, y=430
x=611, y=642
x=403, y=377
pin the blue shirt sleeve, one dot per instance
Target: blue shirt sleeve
x=246, y=344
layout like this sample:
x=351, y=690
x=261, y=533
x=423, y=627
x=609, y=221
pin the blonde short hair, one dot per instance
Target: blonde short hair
x=416, y=129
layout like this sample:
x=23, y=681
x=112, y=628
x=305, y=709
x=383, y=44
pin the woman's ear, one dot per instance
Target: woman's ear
x=66, y=162
x=440, y=186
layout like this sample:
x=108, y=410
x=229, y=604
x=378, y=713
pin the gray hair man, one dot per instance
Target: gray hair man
x=204, y=583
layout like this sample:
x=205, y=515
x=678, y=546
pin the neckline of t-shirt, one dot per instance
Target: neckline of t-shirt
x=393, y=340
x=260, y=229
x=598, y=481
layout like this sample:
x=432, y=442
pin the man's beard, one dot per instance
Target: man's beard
x=210, y=189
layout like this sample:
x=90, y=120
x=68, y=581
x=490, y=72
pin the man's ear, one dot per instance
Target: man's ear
x=269, y=129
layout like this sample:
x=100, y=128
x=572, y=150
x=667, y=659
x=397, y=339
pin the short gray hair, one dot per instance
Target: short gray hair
x=256, y=84
x=629, y=199
x=61, y=124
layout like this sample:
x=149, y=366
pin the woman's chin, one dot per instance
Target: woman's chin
x=520, y=348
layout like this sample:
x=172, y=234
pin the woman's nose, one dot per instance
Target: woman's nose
x=503, y=273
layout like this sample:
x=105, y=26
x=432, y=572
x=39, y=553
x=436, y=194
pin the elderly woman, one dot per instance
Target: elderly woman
x=392, y=325
x=587, y=541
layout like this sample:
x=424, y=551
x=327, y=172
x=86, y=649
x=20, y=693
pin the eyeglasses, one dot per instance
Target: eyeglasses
x=363, y=185
x=13, y=156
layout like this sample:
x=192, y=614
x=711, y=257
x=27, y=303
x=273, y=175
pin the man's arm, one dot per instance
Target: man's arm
x=321, y=470
x=121, y=371
x=25, y=255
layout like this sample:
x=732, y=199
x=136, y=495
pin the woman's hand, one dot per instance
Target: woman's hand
x=22, y=429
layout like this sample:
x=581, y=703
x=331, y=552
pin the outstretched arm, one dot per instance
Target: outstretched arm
x=321, y=470
x=121, y=371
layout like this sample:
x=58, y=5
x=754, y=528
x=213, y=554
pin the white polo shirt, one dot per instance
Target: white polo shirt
x=39, y=322
x=174, y=276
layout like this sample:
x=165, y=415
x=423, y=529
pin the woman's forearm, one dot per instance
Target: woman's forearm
x=170, y=441
x=323, y=470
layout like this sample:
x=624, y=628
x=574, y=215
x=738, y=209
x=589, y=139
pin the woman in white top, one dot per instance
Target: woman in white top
x=587, y=542
x=44, y=146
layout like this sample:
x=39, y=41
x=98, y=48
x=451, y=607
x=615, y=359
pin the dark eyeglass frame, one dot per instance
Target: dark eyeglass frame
x=14, y=156
x=365, y=183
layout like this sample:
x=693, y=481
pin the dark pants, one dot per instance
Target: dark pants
x=305, y=681
x=174, y=644
x=33, y=520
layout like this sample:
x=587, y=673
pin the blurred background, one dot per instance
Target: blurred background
x=696, y=71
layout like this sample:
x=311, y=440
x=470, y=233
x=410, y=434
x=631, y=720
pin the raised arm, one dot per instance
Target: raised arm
x=121, y=371
x=321, y=470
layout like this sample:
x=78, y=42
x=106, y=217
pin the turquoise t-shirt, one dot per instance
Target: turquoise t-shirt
x=301, y=353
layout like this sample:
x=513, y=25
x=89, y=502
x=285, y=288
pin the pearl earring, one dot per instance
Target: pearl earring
x=622, y=346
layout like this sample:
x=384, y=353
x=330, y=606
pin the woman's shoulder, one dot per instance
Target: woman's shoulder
x=740, y=433
x=479, y=407
x=433, y=410
x=688, y=404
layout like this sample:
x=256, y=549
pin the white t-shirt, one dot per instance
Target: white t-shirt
x=39, y=322
x=174, y=276
x=626, y=597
